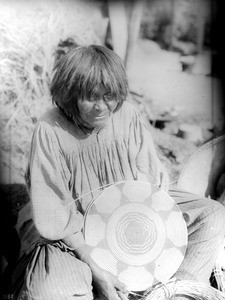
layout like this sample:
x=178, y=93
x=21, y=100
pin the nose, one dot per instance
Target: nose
x=100, y=105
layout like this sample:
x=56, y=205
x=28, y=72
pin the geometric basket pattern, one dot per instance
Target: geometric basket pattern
x=137, y=233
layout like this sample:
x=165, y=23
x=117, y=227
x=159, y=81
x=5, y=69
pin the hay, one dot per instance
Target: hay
x=30, y=32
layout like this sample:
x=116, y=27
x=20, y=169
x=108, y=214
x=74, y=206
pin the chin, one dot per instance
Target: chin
x=100, y=123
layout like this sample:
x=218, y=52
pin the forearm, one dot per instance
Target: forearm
x=74, y=241
x=82, y=251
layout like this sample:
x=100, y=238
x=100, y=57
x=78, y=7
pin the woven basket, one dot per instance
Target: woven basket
x=184, y=288
x=200, y=167
x=137, y=232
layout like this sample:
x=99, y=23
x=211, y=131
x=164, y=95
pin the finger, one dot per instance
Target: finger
x=120, y=286
x=113, y=295
x=122, y=295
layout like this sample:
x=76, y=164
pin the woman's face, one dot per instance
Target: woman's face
x=96, y=111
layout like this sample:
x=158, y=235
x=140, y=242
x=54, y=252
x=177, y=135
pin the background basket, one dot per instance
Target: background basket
x=186, y=288
x=204, y=168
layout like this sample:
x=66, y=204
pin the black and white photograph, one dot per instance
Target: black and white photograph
x=112, y=150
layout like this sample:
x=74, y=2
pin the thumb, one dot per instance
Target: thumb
x=119, y=285
x=122, y=295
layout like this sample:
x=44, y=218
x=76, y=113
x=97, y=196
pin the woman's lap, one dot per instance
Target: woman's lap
x=205, y=219
x=53, y=272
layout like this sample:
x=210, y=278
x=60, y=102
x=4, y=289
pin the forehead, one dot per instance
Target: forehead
x=100, y=90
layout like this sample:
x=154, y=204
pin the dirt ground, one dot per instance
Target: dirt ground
x=173, y=97
x=158, y=74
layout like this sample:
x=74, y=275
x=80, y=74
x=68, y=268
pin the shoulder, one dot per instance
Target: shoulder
x=131, y=118
x=126, y=121
x=54, y=121
x=52, y=128
x=129, y=108
x=53, y=117
x=56, y=129
x=127, y=113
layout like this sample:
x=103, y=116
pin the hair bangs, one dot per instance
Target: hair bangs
x=85, y=71
x=106, y=72
x=90, y=81
x=114, y=75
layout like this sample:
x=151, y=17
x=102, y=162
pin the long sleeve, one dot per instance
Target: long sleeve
x=49, y=178
x=147, y=162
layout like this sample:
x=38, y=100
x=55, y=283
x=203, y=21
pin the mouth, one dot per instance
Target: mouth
x=101, y=117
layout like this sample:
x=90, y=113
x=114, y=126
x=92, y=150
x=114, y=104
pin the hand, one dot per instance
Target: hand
x=108, y=284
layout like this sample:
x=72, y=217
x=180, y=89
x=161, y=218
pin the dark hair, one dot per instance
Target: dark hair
x=83, y=72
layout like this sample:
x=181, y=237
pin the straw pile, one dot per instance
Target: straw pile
x=29, y=35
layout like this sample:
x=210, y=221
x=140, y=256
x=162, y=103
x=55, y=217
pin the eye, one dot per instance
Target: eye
x=93, y=98
x=109, y=97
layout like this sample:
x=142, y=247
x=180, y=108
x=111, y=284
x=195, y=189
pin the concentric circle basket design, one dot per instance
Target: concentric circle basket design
x=137, y=232
x=184, y=288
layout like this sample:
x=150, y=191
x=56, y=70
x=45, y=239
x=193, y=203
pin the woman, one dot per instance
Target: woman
x=93, y=138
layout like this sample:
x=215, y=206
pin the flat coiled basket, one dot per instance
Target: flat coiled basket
x=189, y=289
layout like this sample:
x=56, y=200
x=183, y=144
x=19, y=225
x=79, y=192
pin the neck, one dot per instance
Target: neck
x=84, y=126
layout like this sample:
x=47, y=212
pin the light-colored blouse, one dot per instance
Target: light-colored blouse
x=67, y=167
